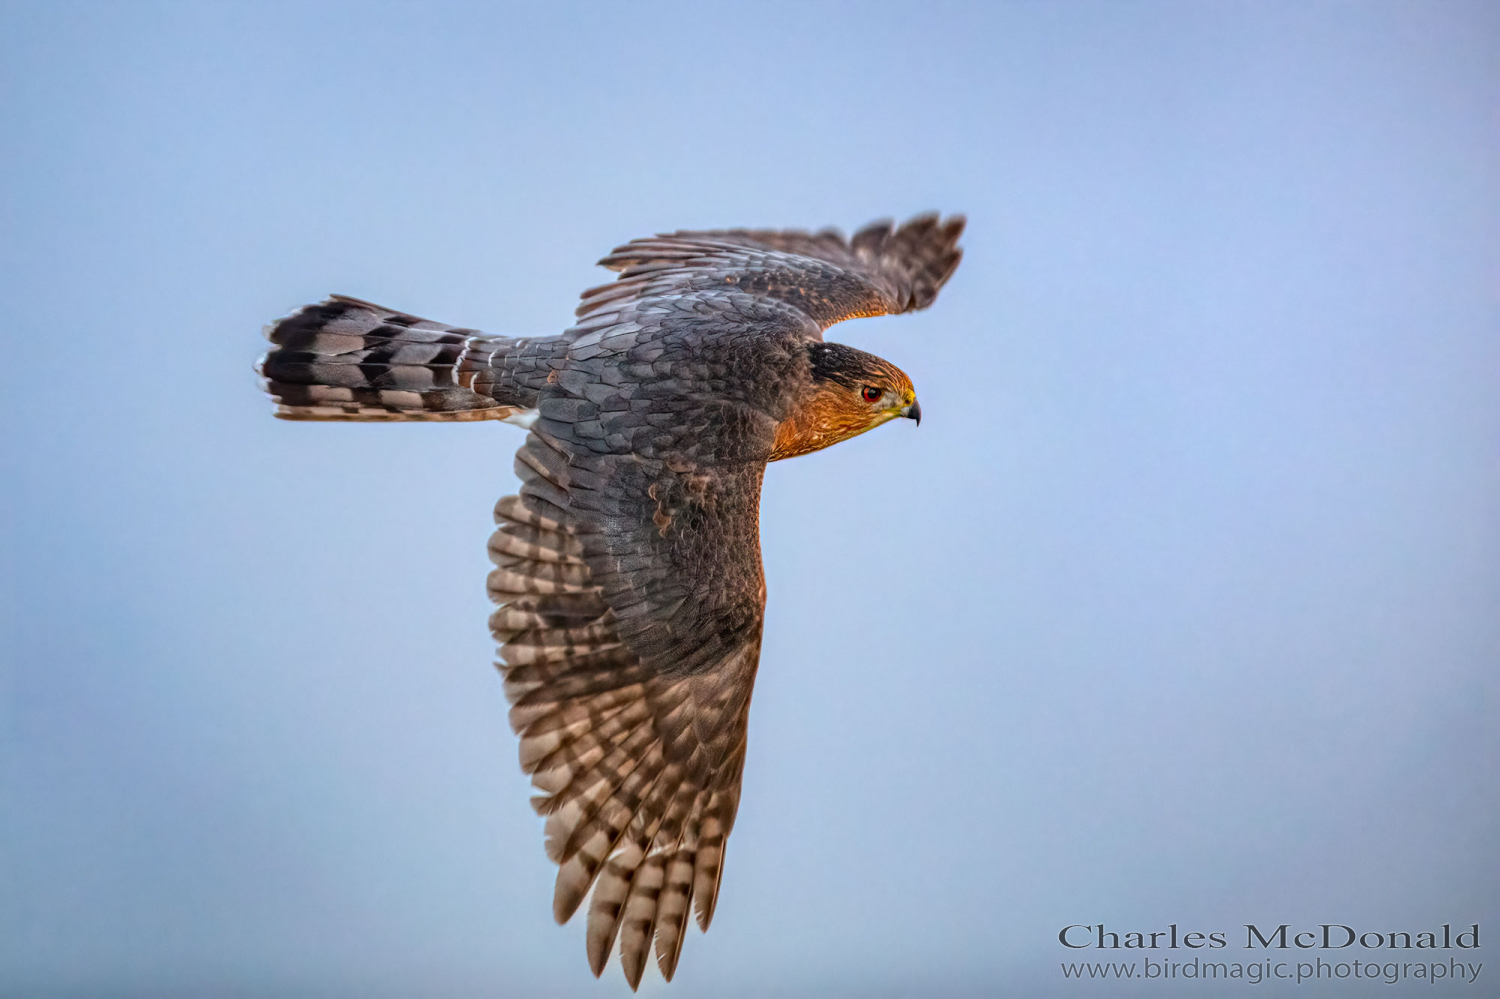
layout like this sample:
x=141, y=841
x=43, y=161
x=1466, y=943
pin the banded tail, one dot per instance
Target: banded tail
x=344, y=359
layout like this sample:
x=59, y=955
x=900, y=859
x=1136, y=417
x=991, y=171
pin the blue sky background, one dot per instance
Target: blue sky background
x=1180, y=606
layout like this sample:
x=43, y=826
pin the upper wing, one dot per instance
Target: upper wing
x=639, y=765
x=879, y=271
x=640, y=771
x=629, y=573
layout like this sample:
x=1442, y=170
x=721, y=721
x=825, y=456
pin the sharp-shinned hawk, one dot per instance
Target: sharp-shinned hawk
x=628, y=568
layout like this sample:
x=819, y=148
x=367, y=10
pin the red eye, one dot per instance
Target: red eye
x=871, y=393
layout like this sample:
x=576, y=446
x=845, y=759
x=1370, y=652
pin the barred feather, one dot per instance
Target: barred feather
x=627, y=761
x=881, y=270
x=344, y=359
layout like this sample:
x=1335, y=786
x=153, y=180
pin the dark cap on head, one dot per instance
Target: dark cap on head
x=835, y=362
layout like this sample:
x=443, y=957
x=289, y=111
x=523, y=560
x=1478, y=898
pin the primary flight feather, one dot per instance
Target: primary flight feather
x=628, y=570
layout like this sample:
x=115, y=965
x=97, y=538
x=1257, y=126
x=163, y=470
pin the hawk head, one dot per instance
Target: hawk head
x=848, y=393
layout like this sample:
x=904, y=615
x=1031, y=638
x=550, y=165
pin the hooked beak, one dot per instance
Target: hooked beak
x=913, y=412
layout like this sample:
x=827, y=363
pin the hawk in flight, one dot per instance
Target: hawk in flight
x=628, y=572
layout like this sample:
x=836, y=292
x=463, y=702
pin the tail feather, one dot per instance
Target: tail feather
x=344, y=359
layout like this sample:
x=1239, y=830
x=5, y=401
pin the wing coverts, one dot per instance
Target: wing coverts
x=639, y=772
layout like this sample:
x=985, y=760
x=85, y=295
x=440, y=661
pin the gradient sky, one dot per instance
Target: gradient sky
x=1180, y=606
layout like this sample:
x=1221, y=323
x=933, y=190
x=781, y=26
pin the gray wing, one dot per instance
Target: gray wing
x=639, y=771
x=629, y=573
x=881, y=270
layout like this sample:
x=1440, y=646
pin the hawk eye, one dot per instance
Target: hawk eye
x=871, y=393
